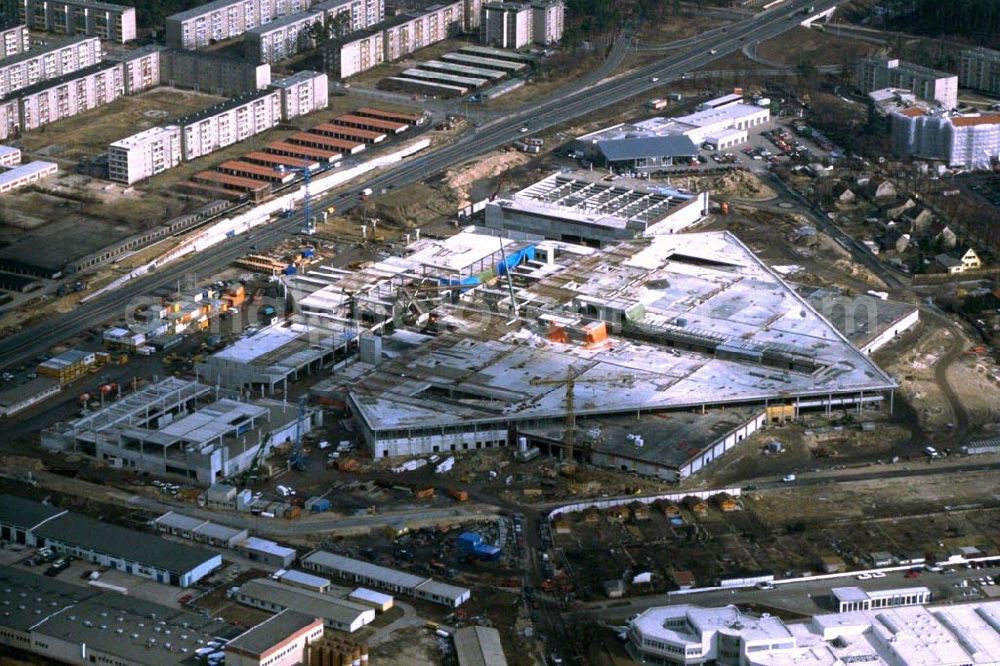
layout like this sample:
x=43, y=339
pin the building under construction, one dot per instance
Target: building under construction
x=182, y=428
x=668, y=324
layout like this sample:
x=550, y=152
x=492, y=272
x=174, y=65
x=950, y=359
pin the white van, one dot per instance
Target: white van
x=932, y=452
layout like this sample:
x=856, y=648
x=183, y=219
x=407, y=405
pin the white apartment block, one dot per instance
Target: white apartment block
x=48, y=62
x=303, y=93
x=10, y=117
x=547, y=21
x=472, y=11
x=282, y=38
x=230, y=122
x=145, y=154
x=222, y=19
x=979, y=69
x=72, y=94
x=506, y=25
x=113, y=23
x=410, y=32
x=142, y=68
x=926, y=83
x=357, y=53
x=971, y=142
x=364, y=13
x=13, y=41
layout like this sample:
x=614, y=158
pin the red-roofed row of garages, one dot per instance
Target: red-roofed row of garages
x=280, y=162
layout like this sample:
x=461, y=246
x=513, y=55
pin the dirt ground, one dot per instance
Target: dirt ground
x=815, y=47
x=977, y=381
x=461, y=178
x=415, y=646
x=742, y=185
x=914, y=369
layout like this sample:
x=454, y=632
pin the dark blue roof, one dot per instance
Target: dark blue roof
x=633, y=148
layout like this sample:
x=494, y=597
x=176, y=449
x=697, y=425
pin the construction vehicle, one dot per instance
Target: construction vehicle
x=252, y=473
x=423, y=493
x=298, y=461
x=458, y=495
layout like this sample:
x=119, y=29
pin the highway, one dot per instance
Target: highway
x=545, y=114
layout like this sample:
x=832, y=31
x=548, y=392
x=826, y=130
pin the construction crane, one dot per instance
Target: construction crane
x=297, y=459
x=252, y=473
x=569, y=434
x=306, y=173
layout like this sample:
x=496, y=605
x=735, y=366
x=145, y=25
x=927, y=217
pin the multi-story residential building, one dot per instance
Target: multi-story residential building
x=507, y=25
x=113, y=23
x=547, y=21
x=10, y=117
x=13, y=41
x=972, y=142
x=227, y=123
x=302, y=93
x=409, y=32
x=282, y=38
x=142, y=68
x=145, y=154
x=72, y=94
x=48, y=62
x=356, y=53
x=926, y=83
x=222, y=19
x=471, y=15
x=363, y=13
x=979, y=68
x=211, y=73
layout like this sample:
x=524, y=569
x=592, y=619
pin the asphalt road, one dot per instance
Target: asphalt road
x=548, y=113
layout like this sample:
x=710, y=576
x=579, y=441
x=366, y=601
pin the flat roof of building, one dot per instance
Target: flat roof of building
x=49, y=84
x=303, y=578
x=285, y=21
x=8, y=151
x=271, y=158
x=238, y=182
x=296, y=78
x=367, y=569
x=421, y=75
x=485, y=62
x=381, y=123
x=704, y=291
x=442, y=590
x=430, y=86
x=633, y=148
x=266, y=546
x=669, y=440
x=146, y=135
x=460, y=69
x=14, y=394
x=584, y=197
x=49, y=46
x=479, y=646
x=222, y=107
x=503, y=53
x=129, y=544
x=313, y=136
x=860, y=317
x=178, y=521
x=371, y=596
x=309, y=602
x=271, y=632
x=14, y=174
x=728, y=619
x=26, y=513
x=326, y=155
x=382, y=113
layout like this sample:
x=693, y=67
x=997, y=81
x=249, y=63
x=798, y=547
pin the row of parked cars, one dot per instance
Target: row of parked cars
x=45, y=556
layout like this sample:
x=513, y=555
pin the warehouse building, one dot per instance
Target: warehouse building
x=230, y=122
x=17, y=398
x=979, y=69
x=47, y=62
x=335, y=613
x=26, y=174
x=970, y=142
x=479, y=646
x=373, y=575
x=485, y=62
x=223, y=19
x=421, y=87
x=143, y=155
x=282, y=38
x=583, y=208
x=180, y=428
x=377, y=600
x=266, y=552
x=136, y=553
x=926, y=83
x=72, y=624
x=303, y=580
x=281, y=640
x=199, y=530
x=211, y=73
x=13, y=40
x=302, y=93
x=855, y=599
x=109, y=22
x=68, y=366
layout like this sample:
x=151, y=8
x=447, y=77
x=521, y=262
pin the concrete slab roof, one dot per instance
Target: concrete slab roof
x=271, y=632
x=306, y=601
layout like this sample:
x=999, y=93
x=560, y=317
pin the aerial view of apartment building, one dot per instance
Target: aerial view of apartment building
x=222, y=19
x=110, y=22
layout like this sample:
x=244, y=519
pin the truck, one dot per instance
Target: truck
x=365, y=193
x=458, y=495
x=656, y=104
x=423, y=493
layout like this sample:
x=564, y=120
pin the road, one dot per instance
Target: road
x=546, y=114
